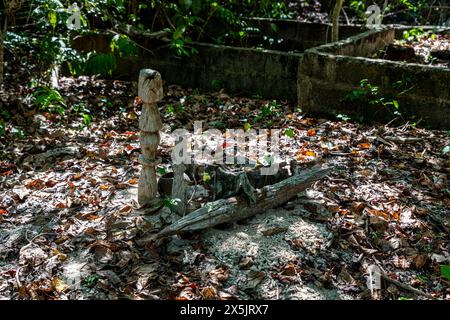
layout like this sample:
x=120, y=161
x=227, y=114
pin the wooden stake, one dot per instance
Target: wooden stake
x=179, y=188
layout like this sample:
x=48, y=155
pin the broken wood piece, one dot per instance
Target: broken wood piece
x=238, y=208
x=179, y=189
x=406, y=287
x=403, y=140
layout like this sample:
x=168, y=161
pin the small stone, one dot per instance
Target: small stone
x=273, y=230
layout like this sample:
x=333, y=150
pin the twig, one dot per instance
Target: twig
x=385, y=142
x=406, y=287
x=403, y=140
x=19, y=285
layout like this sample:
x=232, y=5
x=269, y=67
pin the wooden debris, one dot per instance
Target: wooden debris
x=238, y=208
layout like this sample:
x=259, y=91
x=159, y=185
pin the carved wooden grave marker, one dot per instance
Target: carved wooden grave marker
x=150, y=90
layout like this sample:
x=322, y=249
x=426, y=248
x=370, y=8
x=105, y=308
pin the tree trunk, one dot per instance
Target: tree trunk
x=335, y=19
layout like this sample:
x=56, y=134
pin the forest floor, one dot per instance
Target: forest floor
x=68, y=193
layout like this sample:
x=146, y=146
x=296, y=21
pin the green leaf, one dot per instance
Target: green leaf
x=124, y=45
x=53, y=18
x=445, y=271
x=273, y=26
x=161, y=170
x=179, y=32
x=247, y=126
x=206, y=177
x=289, y=132
x=395, y=103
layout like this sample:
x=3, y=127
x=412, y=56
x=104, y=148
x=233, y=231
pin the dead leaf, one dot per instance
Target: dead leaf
x=254, y=278
x=59, y=285
x=302, y=154
x=133, y=181
x=246, y=262
x=50, y=183
x=209, y=293
x=420, y=260
x=289, y=270
x=219, y=275
x=125, y=209
x=77, y=176
x=364, y=145
x=379, y=213
x=37, y=184
x=61, y=205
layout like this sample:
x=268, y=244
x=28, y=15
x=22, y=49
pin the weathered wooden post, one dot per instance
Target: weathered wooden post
x=150, y=90
x=179, y=188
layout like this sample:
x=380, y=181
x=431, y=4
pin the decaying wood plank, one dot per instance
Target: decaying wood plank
x=235, y=208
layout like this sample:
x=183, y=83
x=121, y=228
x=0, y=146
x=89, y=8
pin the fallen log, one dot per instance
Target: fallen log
x=238, y=208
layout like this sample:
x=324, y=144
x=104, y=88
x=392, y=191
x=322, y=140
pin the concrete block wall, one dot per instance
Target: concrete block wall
x=328, y=73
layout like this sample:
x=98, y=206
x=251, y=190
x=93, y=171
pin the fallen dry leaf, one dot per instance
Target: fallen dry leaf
x=59, y=285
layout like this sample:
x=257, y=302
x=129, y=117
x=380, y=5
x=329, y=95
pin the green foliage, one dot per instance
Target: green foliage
x=99, y=63
x=369, y=95
x=123, y=45
x=49, y=99
x=359, y=7
x=81, y=110
x=343, y=117
x=2, y=127
x=445, y=271
x=161, y=170
x=102, y=64
x=91, y=280
x=289, y=133
x=217, y=85
x=171, y=203
x=413, y=34
x=272, y=108
x=206, y=177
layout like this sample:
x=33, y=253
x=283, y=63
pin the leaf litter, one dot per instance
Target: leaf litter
x=67, y=197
